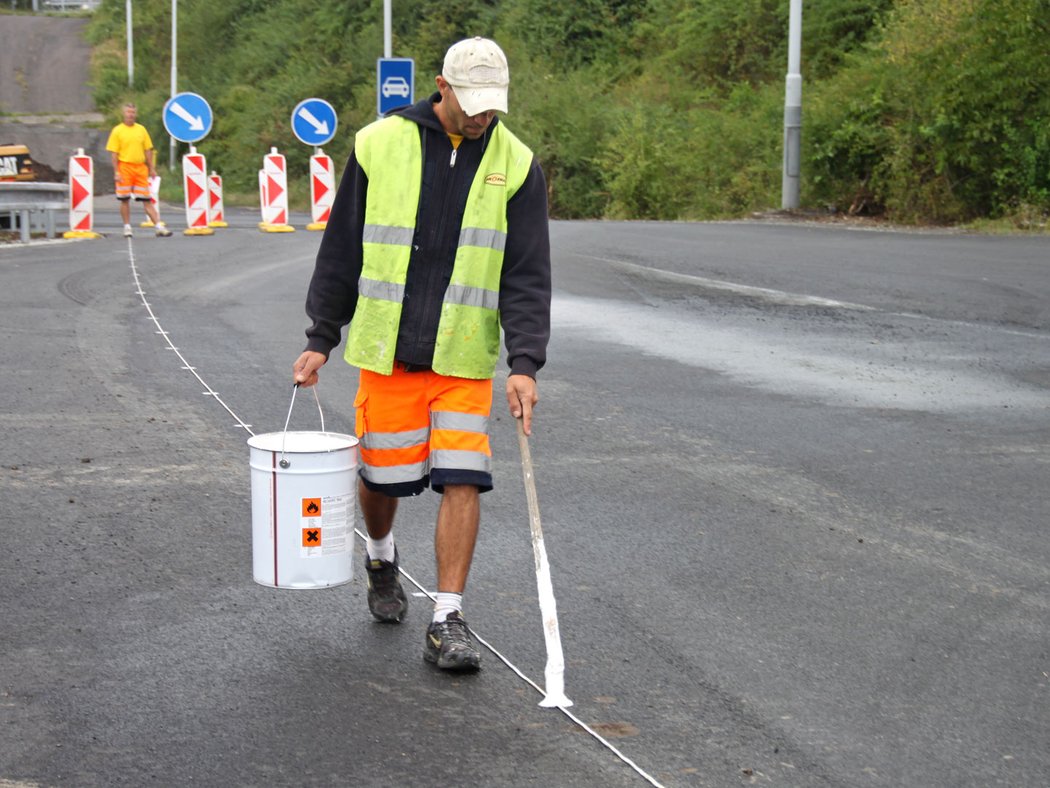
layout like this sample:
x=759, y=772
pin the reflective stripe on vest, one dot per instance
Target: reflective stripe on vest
x=383, y=291
x=378, y=234
x=467, y=342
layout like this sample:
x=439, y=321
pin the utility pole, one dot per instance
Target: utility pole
x=793, y=111
x=388, y=44
x=131, y=46
x=174, y=72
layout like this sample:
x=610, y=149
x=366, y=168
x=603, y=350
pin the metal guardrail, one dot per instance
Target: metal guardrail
x=25, y=199
x=70, y=5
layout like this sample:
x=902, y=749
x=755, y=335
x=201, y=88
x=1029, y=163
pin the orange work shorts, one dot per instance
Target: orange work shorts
x=422, y=428
x=134, y=181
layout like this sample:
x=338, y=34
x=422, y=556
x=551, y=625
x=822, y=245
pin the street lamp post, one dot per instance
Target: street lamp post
x=174, y=72
x=388, y=45
x=131, y=46
x=793, y=111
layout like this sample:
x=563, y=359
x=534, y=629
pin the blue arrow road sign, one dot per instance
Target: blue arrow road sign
x=187, y=117
x=395, y=83
x=313, y=121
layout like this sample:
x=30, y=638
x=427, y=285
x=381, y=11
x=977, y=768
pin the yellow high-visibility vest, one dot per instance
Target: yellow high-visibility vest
x=467, y=344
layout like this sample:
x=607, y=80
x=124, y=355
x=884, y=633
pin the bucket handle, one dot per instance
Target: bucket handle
x=284, y=462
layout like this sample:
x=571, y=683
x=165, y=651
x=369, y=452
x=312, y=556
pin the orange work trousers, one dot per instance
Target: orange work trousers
x=134, y=181
x=421, y=428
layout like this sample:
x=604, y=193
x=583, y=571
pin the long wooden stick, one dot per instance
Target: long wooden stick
x=554, y=674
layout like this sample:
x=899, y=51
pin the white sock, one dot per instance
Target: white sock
x=447, y=603
x=383, y=549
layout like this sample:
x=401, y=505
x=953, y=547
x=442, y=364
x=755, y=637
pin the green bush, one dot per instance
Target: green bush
x=844, y=139
x=929, y=110
x=958, y=125
x=565, y=119
x=707, y=162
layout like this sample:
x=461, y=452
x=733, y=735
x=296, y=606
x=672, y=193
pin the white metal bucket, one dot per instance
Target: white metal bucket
x=304, y=501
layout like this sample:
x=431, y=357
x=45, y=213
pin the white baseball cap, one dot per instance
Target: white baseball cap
x=476, y=68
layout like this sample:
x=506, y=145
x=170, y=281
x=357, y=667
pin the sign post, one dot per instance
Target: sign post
x=314, y=123
x=188, y=118
x=395, y=83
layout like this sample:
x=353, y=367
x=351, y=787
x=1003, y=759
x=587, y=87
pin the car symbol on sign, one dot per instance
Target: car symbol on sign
x=395, y=86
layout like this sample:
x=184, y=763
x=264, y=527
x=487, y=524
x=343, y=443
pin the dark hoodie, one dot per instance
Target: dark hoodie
x=525, y=282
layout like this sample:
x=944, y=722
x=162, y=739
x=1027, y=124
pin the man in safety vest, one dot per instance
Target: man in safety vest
x=437, y=239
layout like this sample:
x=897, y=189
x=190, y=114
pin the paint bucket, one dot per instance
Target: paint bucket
x=304, y=501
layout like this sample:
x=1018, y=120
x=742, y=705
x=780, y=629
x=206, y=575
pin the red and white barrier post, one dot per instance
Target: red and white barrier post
x=273, y=181
x=195, y=187
x=215, y=207
x=81, y=197
x=154, y=198
x=262, y=198
x=322, y=189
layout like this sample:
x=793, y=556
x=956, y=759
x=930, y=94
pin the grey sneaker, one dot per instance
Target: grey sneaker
x=163, y=232
x=450, y=646
x=127, y=231
x=386, y=598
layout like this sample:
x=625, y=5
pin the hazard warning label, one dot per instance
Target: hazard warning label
x=326, y=525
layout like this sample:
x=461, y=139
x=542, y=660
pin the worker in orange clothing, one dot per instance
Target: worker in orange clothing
x=438, y=238
x=132, y=153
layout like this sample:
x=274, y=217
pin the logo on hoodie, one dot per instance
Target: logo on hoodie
x=496, y=179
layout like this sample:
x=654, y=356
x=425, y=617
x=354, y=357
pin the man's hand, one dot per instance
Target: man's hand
x=304, y=371
x=522, y=397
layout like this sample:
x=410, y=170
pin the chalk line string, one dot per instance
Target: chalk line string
x=210, y=392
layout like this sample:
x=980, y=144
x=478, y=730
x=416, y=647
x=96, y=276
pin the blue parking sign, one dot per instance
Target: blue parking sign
x=395, y=83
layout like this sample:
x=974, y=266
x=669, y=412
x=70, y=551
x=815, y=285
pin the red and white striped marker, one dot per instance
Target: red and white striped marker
x=262, y=196
x=81, y=197
x=273, y=187
x=322, y=189
x=195, y=187
x=154, y=198
x=215, y=206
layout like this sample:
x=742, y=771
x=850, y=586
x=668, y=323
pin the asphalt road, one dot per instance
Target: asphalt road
x=794, y=491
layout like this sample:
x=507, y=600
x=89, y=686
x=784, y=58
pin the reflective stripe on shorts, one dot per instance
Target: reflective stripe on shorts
x=460, y=441
x=411, y=423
